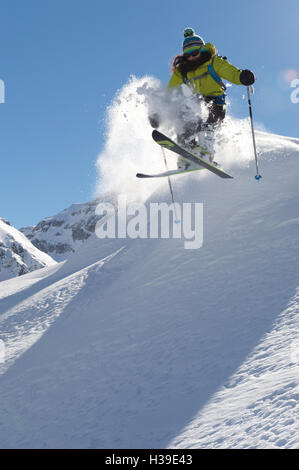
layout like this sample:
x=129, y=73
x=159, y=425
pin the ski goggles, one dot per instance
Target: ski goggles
x=192, y=54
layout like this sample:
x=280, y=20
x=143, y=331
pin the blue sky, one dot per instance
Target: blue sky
x=63, y=61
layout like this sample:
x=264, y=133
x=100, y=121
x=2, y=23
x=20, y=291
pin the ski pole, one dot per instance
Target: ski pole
x=250, y=90
x=170, y=187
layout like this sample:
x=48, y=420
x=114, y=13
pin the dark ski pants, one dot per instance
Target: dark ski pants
x=215, y=117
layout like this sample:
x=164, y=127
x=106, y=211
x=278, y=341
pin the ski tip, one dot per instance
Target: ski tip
x=156, y=134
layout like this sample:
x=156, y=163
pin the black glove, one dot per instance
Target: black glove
x=247, y=77
x=154, y=120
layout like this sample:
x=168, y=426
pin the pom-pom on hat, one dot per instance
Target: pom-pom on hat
x=192, y=41
x=188, y=32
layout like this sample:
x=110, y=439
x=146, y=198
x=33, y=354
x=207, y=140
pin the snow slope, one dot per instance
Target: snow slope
x=17, y=254
x=141, y=343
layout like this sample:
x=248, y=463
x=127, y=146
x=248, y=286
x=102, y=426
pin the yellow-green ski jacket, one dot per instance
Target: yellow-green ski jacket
x=207, y=85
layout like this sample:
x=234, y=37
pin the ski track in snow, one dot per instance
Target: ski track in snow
x=24, y=324
x=260, y=403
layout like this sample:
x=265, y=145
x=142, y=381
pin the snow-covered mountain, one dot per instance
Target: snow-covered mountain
x=140, y=343
x=17, y=254
x=61, y=235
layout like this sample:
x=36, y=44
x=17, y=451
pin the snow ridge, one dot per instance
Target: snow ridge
x=17, y=255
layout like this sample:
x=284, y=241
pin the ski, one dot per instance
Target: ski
x=167, y=143
x=167, y=173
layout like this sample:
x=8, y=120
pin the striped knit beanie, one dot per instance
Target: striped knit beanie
x=192, y=42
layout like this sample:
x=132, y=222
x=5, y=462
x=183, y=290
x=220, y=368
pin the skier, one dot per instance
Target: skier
x=202, y=70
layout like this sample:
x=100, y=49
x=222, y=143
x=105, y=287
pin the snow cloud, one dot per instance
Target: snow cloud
x=129, y=148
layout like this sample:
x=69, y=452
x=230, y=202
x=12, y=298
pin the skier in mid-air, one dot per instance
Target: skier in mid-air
x=202, y=70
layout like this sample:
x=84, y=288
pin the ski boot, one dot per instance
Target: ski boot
x=207, y=147
x=183, y=164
